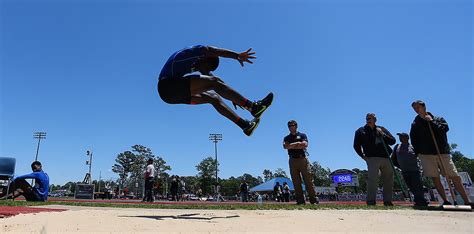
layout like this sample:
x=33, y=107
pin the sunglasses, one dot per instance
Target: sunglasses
x=292, y=125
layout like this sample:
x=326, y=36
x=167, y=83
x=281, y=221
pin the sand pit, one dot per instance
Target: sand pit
x=128, y=220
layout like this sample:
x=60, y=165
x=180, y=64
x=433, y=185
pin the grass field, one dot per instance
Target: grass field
x=217, y=206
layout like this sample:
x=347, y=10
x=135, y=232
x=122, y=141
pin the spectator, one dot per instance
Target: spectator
x=149, y=178
x=286, y=192
x=371, y=144
x=174, y=189
x=404, y=157
x=278, y=192
x=423, y=141
x=244, y=191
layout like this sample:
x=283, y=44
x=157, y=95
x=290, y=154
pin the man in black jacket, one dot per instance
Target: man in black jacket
x=371, y=143
x=425, y=148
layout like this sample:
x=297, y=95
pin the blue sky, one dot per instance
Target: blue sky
x=86, y=72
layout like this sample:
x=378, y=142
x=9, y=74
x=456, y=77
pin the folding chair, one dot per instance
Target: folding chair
x=7, y=170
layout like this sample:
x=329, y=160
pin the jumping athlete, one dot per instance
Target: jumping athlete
x=177, y=85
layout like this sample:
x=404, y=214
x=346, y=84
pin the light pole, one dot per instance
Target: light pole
x=216, y=138
x=39, y=136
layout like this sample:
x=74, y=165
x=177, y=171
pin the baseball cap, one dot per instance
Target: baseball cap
x=403, y=134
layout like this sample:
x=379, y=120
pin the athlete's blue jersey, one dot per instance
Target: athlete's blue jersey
x=182, y=62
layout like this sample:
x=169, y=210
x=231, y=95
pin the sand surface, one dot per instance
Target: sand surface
x=132, y=220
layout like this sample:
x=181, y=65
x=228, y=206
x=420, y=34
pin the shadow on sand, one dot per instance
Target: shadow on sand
x=195, y=216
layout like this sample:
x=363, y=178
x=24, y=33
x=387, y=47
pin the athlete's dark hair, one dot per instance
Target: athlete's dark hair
x=34, y=164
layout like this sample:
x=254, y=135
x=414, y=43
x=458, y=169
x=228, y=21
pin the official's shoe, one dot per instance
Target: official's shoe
x=387, y=203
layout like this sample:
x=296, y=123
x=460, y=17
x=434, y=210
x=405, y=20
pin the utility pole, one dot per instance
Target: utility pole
x=216, y=138
x=39, y=136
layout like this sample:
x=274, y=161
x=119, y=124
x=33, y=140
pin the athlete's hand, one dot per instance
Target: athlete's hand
x=245, y=56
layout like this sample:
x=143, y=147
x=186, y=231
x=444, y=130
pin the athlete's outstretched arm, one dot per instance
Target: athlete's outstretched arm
x=241, y=57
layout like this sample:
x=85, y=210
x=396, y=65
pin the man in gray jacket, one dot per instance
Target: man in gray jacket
x=404, y=157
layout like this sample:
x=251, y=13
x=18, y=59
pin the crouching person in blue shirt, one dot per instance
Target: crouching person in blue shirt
x=404, y=157
x=20, y=187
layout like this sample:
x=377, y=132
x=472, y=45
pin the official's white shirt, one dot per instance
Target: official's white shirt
x=150, y=169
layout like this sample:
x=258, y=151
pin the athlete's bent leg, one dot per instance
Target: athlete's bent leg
x=203, y=83
x=216, y=101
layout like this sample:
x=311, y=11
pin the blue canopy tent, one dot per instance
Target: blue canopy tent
x=268, y=186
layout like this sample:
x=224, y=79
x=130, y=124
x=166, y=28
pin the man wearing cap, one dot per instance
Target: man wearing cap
x=149, y=177
x=404, y=157
x=296, y=144
x=371, y=143
x=426, y=149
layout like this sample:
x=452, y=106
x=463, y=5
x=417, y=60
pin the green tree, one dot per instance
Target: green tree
x=206, y=174
x=320, y=174
x=362, y=175
x=54, y=187
x=70, y=187
x=230, y=186
x=130, y=165
x=280, y=173
x=250, y=179
x=267, y=175
x=462, y=162
x=123, y=164
x=191, y=183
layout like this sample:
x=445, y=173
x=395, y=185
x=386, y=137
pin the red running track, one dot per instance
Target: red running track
x=7, y=211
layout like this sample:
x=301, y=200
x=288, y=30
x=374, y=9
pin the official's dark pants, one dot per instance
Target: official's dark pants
x=300, y=167
x=148, y=189
x=174, y=195
x=244, y=196
x=414, y=183
x=286, y=197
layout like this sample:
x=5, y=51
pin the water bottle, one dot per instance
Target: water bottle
x=260, y=199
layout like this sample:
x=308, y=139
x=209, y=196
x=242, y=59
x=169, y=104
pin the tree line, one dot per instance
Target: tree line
x=130, y=165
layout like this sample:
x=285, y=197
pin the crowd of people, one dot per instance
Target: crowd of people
x=429, y=145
